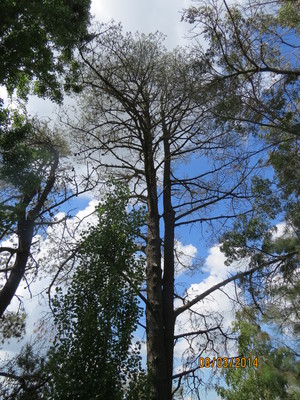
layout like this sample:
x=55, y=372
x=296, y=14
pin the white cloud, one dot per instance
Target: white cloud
x=217, y=271
x=215, y=263
x=216, y=309
x=184, y=257
x=146, y=17
x=62, y=238
x=283, y=230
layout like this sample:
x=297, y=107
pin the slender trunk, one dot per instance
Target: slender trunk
x=25, y=235
x=168, y=278
x=26, y=223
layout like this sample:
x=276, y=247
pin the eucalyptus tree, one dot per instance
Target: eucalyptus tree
x=146, y=118
x=253, y=48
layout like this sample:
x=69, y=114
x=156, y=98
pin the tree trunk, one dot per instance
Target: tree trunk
x=156, y=355
x=169, y=266
x=25, y=229
x=25, y=234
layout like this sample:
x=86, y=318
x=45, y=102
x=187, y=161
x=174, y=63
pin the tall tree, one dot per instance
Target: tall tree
x=254, y=48
x=92, y=355
x=148, y=111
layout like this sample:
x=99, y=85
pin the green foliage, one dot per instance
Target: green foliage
x=37, y=39
x=255, y=240
x=12, y=325
x=254, y=230
x=92, y=356
x=254, y=46
x=28, y=151
x=25, y=377
x=16, y=156
x=277, y=373
x=286, y=162
x=289, y=14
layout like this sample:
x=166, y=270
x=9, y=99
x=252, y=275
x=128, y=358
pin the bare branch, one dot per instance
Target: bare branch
x=203, y=295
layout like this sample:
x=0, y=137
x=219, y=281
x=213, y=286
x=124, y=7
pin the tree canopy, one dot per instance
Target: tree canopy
x=37, y=40
x=253, y=49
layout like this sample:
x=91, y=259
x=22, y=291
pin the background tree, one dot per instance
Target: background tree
x=275, y=377
x=37, y=41
x=29, y=163
x=24, y=376
x=34, y=184
x=93, y=355
x=253, y=49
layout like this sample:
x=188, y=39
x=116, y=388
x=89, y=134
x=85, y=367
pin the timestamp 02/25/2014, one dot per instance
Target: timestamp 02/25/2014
x=226, y=362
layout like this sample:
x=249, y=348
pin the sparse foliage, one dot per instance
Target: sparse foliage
x=24, y=376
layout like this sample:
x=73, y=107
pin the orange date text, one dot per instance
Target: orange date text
x=226, y=362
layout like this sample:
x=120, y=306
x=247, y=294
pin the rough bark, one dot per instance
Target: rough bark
x=156, y=355
x=169, y=265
